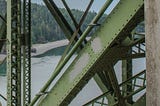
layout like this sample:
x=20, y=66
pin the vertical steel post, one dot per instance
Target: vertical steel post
x=114, y=82
x=126, y=74
x=26, y=52
x=14, y=52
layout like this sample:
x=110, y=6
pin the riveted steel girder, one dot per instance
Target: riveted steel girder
x=14, y=52
x=118, y=24
x=26, y=52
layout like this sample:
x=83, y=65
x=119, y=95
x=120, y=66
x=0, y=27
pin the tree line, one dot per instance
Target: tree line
x=45, y=28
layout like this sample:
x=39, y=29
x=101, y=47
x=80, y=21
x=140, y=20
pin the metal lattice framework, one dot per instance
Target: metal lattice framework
x=14, y=47
x=26, y=52
x=135, y=87
x=117, y=50
x=14, y=52
x=100, y=53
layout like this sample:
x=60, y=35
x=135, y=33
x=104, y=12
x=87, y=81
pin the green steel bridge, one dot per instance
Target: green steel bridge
x=114, y=40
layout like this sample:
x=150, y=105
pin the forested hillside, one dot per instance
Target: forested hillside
x=44, y=27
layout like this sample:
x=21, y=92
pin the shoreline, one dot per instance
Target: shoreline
x=42, y=48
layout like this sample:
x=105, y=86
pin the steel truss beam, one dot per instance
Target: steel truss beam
x=136, y=87
x=14, y=52
x=65, y=26
x=14, y=44
x=71, y=15
x=2, y=35
x=76, y=46
x=90, y=58
x=75, y=34
x=78, y=26
x=59, y=18
x=115, y=86
x=127, y=73
x=26, y=52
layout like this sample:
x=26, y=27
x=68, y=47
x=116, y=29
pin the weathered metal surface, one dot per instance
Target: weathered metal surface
x=108, y=45
x=127, y=73
x=136, y=87
x=71, y=52
x=123, y=18
x=14, y=53
x=26, y=52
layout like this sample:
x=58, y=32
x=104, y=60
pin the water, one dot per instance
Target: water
x=44, y=66
x=41, y=71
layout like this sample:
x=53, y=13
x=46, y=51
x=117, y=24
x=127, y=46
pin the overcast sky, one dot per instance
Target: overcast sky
x=81, y=4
